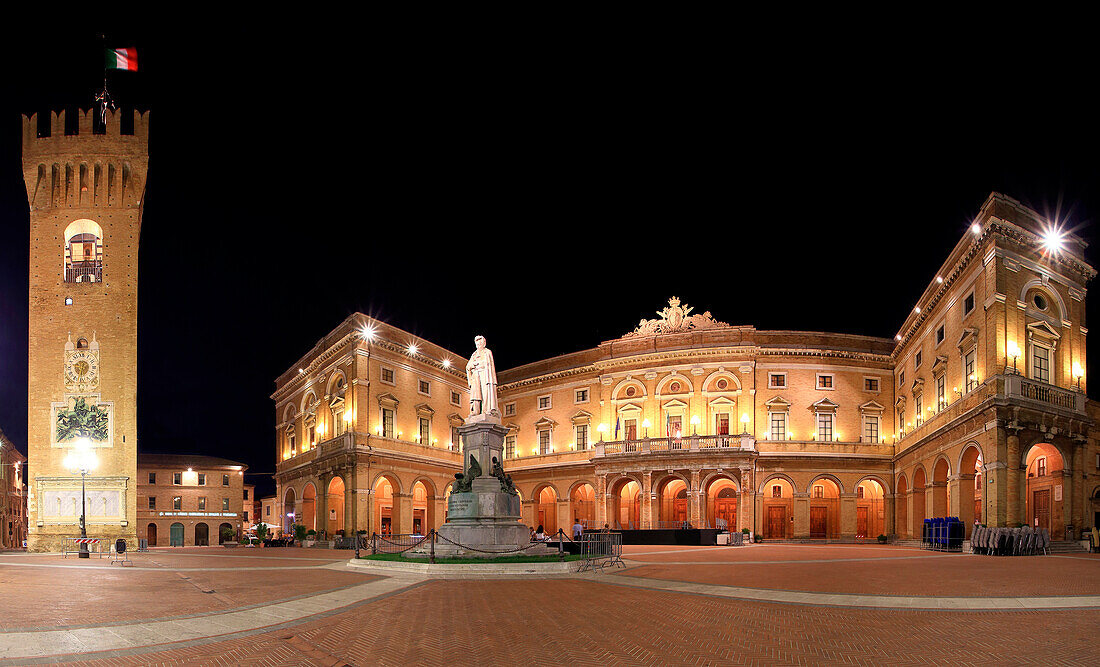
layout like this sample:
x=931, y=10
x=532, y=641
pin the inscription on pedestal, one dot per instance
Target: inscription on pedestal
x=462, y=506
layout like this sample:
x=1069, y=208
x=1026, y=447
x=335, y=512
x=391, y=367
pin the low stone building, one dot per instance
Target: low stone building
x=186, y=500
x=13, y=495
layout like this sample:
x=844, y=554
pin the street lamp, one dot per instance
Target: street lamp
x=1014, y=352
x=83, y=460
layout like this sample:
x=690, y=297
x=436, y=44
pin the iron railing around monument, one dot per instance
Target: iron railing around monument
x=401, y=543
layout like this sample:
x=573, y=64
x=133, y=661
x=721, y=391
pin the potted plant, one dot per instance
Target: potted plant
x=229, y=537
x=757, y=537
x=882, y=539
x=311, y=536
x=300, y=533
x=245, y=541
x=261, y=532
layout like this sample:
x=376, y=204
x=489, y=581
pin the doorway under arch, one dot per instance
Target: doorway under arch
x=224, y=530
x=626, y=501
x=582, y=505
x=824, y=509
x=721, y=511
x=176, y=534
x=940, y=472
x=289, y=518
x=423, y=510
x=547, y=513
x=334, y=500
x=916, y=528
x=901, y=507
x=151, y=534
x=1045, y=489
x=672, y=496
x=778, y=508
x=309, y=507
x=385, y=519
x=202, y=535
x=870, y=509
x=970, y=488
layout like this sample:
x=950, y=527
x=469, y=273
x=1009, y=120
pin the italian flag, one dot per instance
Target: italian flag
x=122, y=59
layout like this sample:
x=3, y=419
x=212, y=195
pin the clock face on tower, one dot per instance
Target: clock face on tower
x=82, y=371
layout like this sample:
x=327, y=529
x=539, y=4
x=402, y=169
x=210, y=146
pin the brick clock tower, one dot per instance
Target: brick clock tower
x=85, y=190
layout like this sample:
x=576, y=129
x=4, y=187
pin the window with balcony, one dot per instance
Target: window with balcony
x=510, y=447
x=722, y=423
x=918, y=408
x=825, y=421
x=941, y=392
x=1040, y=362
x=425, y=430
x=83, y=252
x=544, y=441
x=630, y=429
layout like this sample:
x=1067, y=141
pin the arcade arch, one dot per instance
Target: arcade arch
x=288, y=518
x=334, y=501
x=970, y=487
x=916, y=524
x=778, y=506
x=901, y=503
x=582, y=504
x=384, y=516
x=547, y=512
x=870, y=509
x=940, y=472
x=824, y=508
x=309, y=507
x=626, y=504
x=423, y=507
x=1044, y=488
x=721, y=493
x=672, y=498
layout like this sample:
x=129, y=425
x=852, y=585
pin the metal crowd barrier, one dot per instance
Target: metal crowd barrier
x=72, y=546
x=600, y=550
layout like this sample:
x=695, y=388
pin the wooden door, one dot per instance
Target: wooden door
x=202, y=535
x=151, y=535
x=726, y=509
x=176, y=536
x=861, y=522
x=777, y=522
x=818, y=519
x=1041, y=503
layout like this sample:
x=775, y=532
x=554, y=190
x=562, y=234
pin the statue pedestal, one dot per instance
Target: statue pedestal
x=484, y=521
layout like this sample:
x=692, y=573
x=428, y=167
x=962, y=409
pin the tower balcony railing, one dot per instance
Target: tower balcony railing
x=84, y=272
x=686, y=443
x=1018, y=386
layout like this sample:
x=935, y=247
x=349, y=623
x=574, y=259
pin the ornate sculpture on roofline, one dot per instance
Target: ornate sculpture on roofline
x=481, y=374
x=675, y=317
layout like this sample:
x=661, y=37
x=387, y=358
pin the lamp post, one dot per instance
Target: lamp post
x=83, y=460
x=1014, y=352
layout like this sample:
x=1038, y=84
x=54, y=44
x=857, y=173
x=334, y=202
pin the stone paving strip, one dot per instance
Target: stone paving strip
x=218, y=626
x=924, y=602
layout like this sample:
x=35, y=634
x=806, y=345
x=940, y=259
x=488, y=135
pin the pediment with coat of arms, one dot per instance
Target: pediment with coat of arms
x=676, y=317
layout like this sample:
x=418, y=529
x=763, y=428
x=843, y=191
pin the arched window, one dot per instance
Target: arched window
x=83, y=252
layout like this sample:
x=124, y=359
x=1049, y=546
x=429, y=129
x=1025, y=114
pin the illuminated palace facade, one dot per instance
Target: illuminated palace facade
x=975, y=409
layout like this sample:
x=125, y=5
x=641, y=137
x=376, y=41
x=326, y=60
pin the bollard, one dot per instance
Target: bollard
x=431, y=536
x=561, y=550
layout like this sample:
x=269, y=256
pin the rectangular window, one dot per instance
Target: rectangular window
x=1041, y=361
x=510, y=447
x=387, y=423
x=919, y=409
x=455, y=438
x=777, y=491
x=425, y=431
x=1041, y=466
x=968, y=368
x=630, y=429
x=268, y=510
x=777, y=380
x=940, y=333
x=582, y=437
x=870, y=384
x=225, y=480
x=177, y=503
x=152, y=478
x=424, y=387
x=824, y=381
x=941, y=392
x=870, y=428
x=819, y=491
x=544, y=402
x=901, y=379
x=202, y=502
x=177, y=478
x=246, y=494
x=202, y=479
x=225, y=504
x=901, y=422
x=580, y=396
x=917, y=359
x=544, y=441
x=859, y=491
x=152, y=502
x=510, y=410
x=722, y=423
x=968, y=304
x=778, y=426
x=825, y=426
x=387, y=375
x=338, y=422
x=246, y=517
x=292, y=448
x=456, y=398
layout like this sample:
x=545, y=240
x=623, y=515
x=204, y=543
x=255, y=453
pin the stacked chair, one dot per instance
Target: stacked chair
x=1022, y=541
x=943, y=534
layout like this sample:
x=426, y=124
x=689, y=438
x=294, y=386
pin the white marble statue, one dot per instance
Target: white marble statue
x=481, y=373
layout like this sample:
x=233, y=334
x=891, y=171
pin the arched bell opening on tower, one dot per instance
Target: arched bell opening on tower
x=83, y=252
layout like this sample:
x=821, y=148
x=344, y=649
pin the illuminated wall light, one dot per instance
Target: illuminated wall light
x=976, y=228
x=368, y=333
x=790, y=436
x=347, y=417
x=917, y=310
x=378, y=429
x=1053, y=240
x=897, y=337
x=446, y=363
x=413, y=348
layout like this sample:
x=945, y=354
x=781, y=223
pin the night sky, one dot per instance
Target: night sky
x=548, y=199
